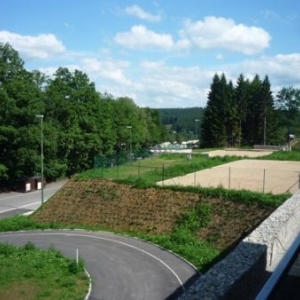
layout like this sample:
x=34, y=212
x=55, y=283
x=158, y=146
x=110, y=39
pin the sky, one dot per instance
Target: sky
x=160, y=53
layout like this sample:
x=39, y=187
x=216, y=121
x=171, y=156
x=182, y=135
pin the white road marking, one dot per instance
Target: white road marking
x=20, y=195
x=110, y=240
x=19, y=207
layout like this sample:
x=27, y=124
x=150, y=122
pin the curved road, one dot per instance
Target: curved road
x=120, y=267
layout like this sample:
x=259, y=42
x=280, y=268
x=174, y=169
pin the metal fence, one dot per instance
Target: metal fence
x=123, y=167
x=275, y=177
x=276, y=181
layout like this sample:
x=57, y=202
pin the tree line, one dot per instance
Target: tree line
x=248, y=113
x=78, y=121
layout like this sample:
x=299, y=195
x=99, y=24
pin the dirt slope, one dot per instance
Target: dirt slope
x=121, y=207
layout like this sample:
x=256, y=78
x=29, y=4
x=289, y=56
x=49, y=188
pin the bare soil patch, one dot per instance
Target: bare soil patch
x=121, y=207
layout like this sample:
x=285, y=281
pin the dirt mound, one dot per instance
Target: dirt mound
x=117, y=206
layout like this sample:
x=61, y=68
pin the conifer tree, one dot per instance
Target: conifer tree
x=213, y=129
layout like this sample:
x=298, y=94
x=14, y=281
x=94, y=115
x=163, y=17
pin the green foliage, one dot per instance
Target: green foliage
x=183, y=242
x=241, y=115
x=179, y=167
x=29, y=247
x=285, y=155
x=182, y=122
x=17, y=223
x=79, y=122
x=50, y=273
x=3, y=172
x=288, y=111
x=22, y=223
x=196, y=218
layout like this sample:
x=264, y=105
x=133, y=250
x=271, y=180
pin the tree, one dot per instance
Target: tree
x=241, y=98
x=259, y=125
x=288, y=110
x=73, y=117
x=213, y=129
x=231, y=119
x=21, y=101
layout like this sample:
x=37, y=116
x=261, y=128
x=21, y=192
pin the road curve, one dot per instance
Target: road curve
x=120, y=267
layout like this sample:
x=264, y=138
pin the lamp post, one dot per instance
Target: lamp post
x=41, y=117
x=130, y=127
x=196, y=123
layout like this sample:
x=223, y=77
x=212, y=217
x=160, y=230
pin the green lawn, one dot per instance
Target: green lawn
x=29, y=273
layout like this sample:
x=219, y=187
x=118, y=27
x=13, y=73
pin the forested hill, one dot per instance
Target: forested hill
x=182, y=119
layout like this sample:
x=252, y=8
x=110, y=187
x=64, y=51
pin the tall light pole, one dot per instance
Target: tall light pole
x=196, y=123
x=130, y=127
x=41, y=117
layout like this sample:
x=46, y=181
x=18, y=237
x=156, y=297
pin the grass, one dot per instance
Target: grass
x=154, y=169
x=29, y=273
x=199, y=228
x=284, y=155
x=197, y=223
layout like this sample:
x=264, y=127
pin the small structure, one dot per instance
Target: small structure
x=27, y=184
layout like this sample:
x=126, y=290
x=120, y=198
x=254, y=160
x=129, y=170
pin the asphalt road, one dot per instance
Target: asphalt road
x=120, y=267
x=13, y=203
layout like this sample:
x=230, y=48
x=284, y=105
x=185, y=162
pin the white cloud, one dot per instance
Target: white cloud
x=157, y=84
x=282, y=69
x=108, y=70
x=141, y=37
x=137, y=11
x=161, y=85
x=211, y=33
x=216, y=33
x=41, y=46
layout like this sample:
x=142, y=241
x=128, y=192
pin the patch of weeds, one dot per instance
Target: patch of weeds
x=19, y=223
x=109, y=195
x=44, y=269
x=196, y=218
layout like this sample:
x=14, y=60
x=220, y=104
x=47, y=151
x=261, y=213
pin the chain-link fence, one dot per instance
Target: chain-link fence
x=255, y=175
x=124, y=167
x=278, y=179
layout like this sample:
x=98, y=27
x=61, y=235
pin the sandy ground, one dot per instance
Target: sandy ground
x=250, y=174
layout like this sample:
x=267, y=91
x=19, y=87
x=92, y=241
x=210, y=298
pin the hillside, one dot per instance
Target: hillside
x=182, y=119
x=124, y=208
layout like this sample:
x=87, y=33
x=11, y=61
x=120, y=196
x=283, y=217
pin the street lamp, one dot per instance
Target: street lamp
x=130, y=127
x=41, y=117
x=196, y=123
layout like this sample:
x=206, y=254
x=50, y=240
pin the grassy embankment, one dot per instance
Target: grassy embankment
x=200, y=224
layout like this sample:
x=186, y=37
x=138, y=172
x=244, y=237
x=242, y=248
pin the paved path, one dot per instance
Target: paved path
x=120, y=267
x=13, y=203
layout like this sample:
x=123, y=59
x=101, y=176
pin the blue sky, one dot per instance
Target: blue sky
x=159, y=53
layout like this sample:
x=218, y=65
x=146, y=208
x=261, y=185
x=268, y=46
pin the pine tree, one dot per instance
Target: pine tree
x=241, y=99
x=213, y=129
